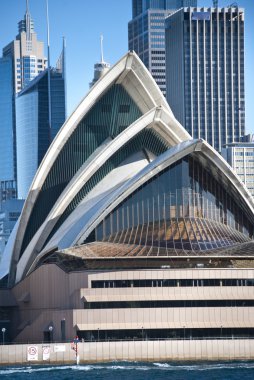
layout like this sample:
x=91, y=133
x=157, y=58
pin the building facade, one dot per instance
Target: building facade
x=33, y=128
x=23, y=59
x=9, y=206
x=241, y=157
x=146, y=33
x=7, y=126
x=136, y=230
x=8, y=190
x=26, y=52
x=10, y=211
x=205, y=72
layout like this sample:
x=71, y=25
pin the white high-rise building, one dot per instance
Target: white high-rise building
x=23, y=59
x=27, y=53
x=241, y=157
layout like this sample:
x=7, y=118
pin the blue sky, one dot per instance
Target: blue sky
x=82, y=22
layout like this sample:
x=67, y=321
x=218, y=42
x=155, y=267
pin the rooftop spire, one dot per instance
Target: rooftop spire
x=28, y=22
x=49, y=79
x=27, y=7
x=102, y=57
x=26, y=25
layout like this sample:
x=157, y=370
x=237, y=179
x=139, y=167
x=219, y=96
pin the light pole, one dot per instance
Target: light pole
x=76, y=340
x=3, y=332
x=51, y=334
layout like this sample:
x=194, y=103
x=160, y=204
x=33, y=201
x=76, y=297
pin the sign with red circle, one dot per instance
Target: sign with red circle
x=45, y=352
x=32, y=353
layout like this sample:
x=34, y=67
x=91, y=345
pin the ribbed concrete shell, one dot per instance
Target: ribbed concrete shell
x=139, y=84
x=78, y=217
x=157, y=117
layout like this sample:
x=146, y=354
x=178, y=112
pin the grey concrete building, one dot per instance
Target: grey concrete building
x=205, y=72
x=146, y=33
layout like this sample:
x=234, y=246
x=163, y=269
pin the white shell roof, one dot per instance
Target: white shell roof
x=131, y=73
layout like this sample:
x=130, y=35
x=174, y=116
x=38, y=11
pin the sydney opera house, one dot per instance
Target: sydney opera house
x=131, y=230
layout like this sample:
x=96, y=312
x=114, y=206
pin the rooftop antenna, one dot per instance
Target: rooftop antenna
x=102, y=57
x=28, y=21
x=100, y=68
x=49, y=84
x=64, y=74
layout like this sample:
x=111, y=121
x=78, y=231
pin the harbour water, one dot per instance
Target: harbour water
x=134, y=370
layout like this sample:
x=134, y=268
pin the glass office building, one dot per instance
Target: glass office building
x=23, y=59
x=27, y=53
x=140, y=6
x=146, y=33
x=10, y=211
x=205, y=72
x=34, y=132
x=7, y=117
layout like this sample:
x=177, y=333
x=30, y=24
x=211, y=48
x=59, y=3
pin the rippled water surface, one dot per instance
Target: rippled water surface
x=133, y=370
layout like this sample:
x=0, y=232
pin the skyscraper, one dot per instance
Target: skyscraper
x=146, y=33
x=7, y=117
x=23, y=59
x=205, y=72
x=27, y=53
x=34, y=130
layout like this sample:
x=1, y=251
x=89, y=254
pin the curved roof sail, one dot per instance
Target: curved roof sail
x=122, y=134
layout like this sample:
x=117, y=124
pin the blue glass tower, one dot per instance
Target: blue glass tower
x=23, y=59
x=34, y=132
x=7, y=117
x=146, y=33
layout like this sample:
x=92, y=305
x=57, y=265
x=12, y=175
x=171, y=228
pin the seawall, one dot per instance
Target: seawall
x=62, y=353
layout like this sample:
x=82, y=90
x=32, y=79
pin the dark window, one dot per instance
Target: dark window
x=165, y=334
x=170, y=304
x=171, y=283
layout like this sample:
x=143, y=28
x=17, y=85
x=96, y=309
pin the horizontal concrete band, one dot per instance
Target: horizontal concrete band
x=165, y=325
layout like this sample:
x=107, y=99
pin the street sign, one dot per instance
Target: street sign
x=59, y=348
